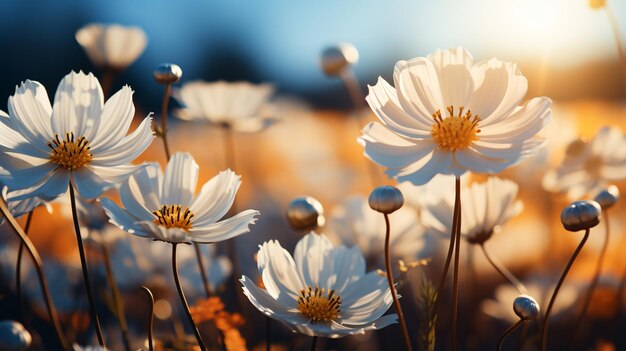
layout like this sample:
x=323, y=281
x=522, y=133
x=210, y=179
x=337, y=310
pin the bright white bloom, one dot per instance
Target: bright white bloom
x=591, y=165
x=323, y=290
x=501, y=307
x=80, y=139
x=448, y=115
x=242, y=106
x=164, y=207
x=486, y=207
x=355, y=223
x=113, y=46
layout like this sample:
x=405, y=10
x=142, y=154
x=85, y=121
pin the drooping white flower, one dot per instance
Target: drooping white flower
x=242, y=106
x=486, y=207
x=501, y=307
x=112, y=46
x=591, y=165
x=322, y=290
x=448, y=115
x=80, y=139
x=355, y=223
x=165, y=207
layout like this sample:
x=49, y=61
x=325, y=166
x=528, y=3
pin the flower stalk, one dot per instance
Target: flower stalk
x=34, y=255
x=457, y=251
x=504, y=271
x=392, y=286
x=508, y=332
x=18, y=268
x=150, y=316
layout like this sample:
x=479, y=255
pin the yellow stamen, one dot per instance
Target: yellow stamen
x=455, y=132
x=172, y=216
x=70, y=153
x=316, y=305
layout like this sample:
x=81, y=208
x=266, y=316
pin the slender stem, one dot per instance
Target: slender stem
x=446, y=266
x=507, y=332
x=457, y=251
x=544, y=328
x=34, y=255
x=504, y=272
x=349, y=80
x=618, y=39
x=594, y=280
x=117, y=299
x=108, y=76
x=150, y=316
x=83, y=262
x=203, y=274
x=392, y=285
x=314, y=343
x=163, y=134
x=183, y=299
x=18, y=268
x=268, y=333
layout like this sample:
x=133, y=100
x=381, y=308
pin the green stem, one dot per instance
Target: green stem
x=504, y=272
x=150, y=316
x=457, y=251
x=507, y=332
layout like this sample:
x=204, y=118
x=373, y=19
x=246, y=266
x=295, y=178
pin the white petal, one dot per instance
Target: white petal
x=115, y=120
x=478, y=163
x=140, y=194
x=522, y=124
x=311, y=255
x=14, y=142
x=160, y=232
x=384, y=102
x=22, y=178
x=264, y=302
x=29, y=111
x=348, y=265
x=279, y=273
x=181, y=177
x=116, y=174
x=77, y=105
x=225, y=229
x=215, y=198
x=50, y=187
x=390, y=150
x=417, y=87
x=455, y=80
x=122, y=218
x=422, y=172
x=88, y=184
x=128, y=149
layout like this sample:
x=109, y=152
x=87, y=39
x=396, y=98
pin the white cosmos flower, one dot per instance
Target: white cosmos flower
x=486, y=207
x=113, y=46
x=242, y=106
x=80, y=139
x=355, y=223
x=590, y=165
x=19, y=208
x=448, y=115
x=323, y=290
x=164, y=207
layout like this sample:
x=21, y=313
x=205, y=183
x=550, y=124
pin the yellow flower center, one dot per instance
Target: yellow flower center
x=70, y=153
x=455, y=132
x=173, y=216
x=319, y=306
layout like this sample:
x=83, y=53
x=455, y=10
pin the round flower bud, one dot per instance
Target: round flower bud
x=305, y=213
x=337, y=58
x=581, y=215
x=167, y=73
x=525, y=307
x=386, y=199
x=607, y=197
x=13, y=336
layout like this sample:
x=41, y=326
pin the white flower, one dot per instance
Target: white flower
x=79, y=140
x=323, y=290
x=239, y=105
x=113, y=46
x=355, y=223
x=164, y=207
x=590, y=166
x=540, y=289
x=486, y=207
x=19, y=208
x=448, y=115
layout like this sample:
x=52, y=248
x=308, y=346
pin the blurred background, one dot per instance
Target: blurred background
x=565, y=48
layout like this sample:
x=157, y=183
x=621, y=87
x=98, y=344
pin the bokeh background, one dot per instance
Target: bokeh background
x=565, y=48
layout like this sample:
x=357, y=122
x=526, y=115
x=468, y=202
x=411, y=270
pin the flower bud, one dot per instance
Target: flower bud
x=581, y=215
x=607, y=197
x=525, y=307
x=13, y=336
x=335, y=59
x=167, y=73
x=305, y=213
x=386, y=199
